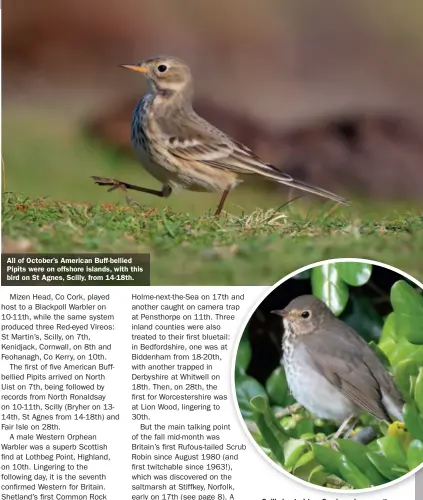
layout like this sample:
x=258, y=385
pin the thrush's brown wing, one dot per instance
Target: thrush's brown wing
x=343, y=359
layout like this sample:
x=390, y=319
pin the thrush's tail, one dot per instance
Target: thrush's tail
x=393, y=403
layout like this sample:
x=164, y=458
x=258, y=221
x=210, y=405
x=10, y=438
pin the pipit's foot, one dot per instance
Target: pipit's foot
x=124, y=186
x=106, y=181
x=115, y=184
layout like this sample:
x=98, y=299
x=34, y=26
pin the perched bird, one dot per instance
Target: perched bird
x=330, y=368
x=184, y=151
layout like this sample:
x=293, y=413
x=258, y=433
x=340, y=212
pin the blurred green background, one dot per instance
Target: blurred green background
x=327, y=91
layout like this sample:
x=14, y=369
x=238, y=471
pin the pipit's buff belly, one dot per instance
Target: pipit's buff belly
x=154, y=159
x=184, y=151
x=330, y=368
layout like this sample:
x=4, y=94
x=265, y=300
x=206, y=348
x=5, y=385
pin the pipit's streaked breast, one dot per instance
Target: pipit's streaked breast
x=330, y=369
x=184, y=151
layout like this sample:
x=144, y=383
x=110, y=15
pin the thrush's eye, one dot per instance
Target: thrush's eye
x=305, y=314
x=162, y=68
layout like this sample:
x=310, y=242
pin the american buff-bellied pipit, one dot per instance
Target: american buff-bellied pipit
x=330, y=369
x=184, y=151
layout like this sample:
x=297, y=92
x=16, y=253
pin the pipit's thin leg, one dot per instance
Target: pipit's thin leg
x=124, y=186
x=221, y=202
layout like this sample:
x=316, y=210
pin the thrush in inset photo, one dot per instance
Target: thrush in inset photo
x=184, y=151
x=330, y=368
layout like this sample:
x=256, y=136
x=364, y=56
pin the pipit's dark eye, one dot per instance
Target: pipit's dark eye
x=162, y=68
x=305, y=314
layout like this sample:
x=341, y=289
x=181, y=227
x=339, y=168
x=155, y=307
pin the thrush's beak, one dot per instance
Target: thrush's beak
x=280, y=312
x=141, y=69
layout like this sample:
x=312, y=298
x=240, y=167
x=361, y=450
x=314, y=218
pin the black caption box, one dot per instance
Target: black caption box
x=87, y=269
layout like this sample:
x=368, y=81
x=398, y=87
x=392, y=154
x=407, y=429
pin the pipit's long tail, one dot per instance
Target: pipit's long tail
x=240, y=159
x=272, y=173
x=312, y=189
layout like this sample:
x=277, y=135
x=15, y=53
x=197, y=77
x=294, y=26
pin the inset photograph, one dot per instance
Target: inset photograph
x=329, y=374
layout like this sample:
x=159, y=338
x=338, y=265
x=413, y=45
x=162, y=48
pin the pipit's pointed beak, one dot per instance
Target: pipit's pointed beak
x=141, y=69
x=280, y=312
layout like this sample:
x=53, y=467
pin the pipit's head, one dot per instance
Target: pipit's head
x=164, y=74
x=304, y=314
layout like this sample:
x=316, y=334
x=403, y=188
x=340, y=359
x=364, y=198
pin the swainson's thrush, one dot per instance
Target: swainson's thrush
x=330, y=368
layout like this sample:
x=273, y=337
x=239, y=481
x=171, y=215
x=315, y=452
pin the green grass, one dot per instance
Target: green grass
x=52, y=203
x=250, y=249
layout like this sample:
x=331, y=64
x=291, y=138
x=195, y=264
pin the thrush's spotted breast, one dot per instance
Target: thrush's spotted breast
x=184, y=151
x=330, y=368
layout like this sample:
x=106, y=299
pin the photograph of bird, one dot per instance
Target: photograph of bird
x=182, y=150
x=330, y=368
